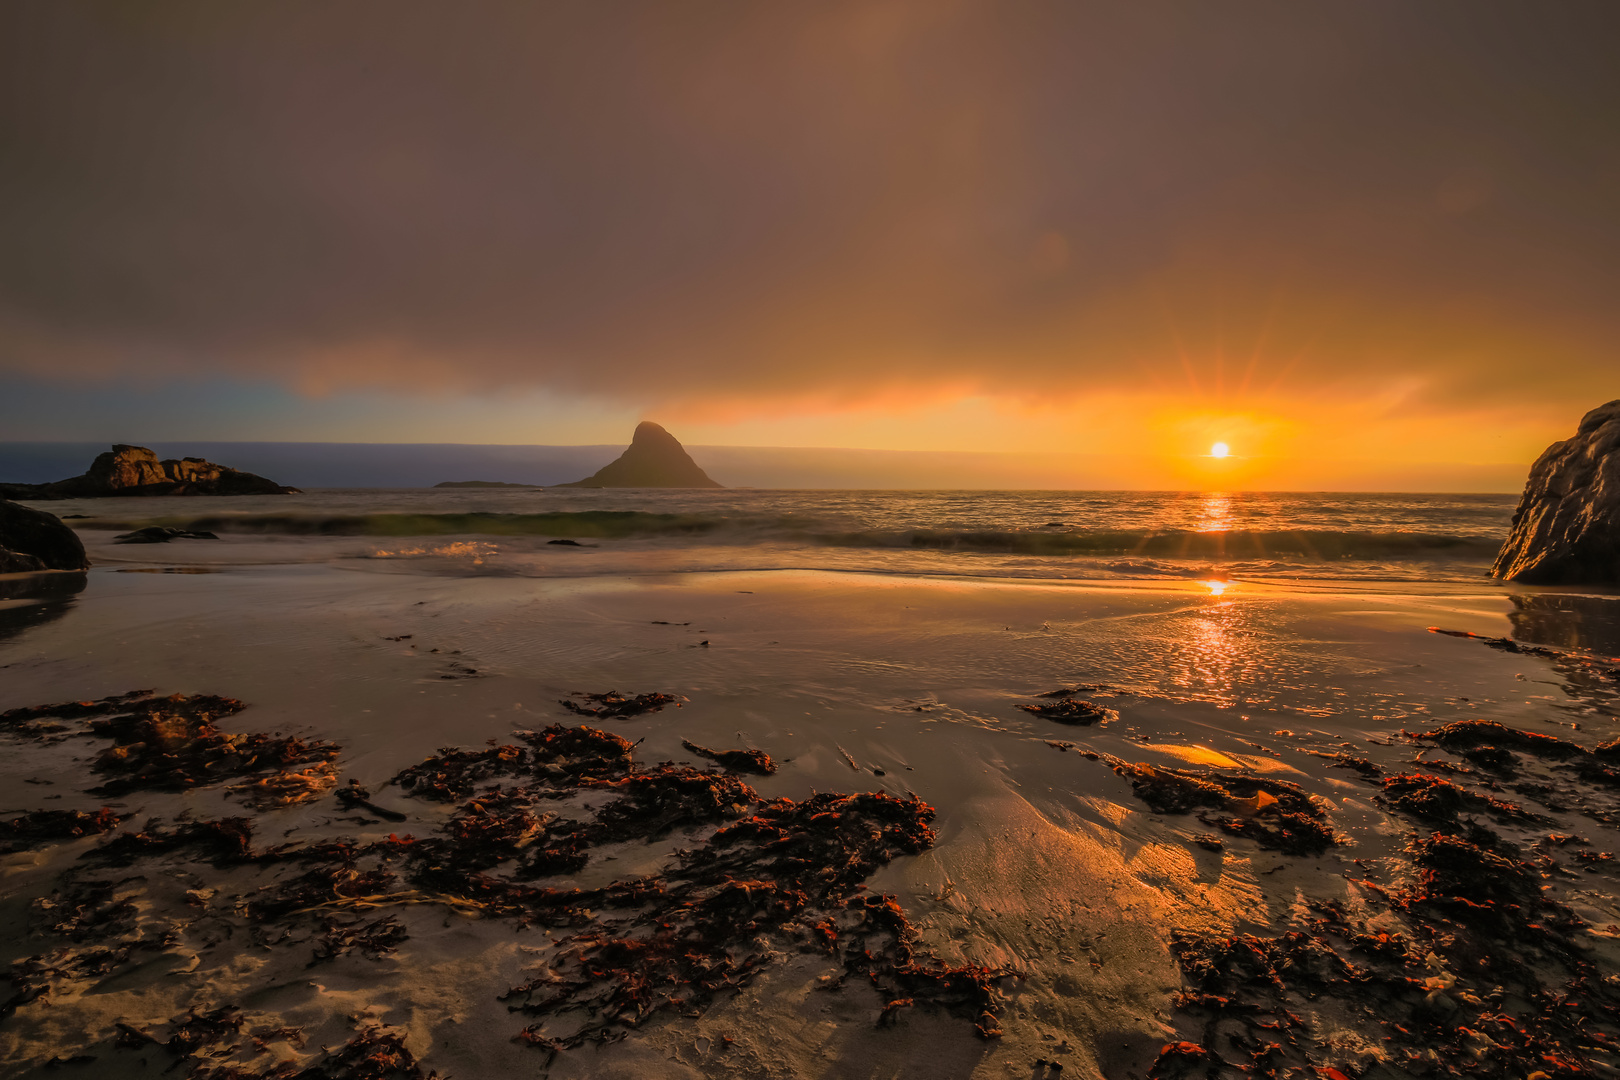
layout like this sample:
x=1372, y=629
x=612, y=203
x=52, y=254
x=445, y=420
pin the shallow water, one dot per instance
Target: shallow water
x=1099, y=535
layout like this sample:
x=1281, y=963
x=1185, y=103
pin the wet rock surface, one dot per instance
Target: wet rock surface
x=33, y=540
x=1566, y=530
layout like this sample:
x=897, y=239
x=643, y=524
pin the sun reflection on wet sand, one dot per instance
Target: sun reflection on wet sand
x=1215, y=655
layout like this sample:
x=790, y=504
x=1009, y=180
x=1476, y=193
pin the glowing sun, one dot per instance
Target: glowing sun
x=1220, y=449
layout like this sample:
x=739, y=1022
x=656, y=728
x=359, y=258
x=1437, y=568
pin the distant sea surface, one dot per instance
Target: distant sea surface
x=1059, y=534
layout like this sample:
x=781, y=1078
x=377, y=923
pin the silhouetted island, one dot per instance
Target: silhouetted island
x=655, y=459
x=135, y=470
x=481, y=484
x=1566, y=530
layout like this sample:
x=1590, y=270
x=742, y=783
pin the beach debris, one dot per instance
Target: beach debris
x=615, y=704
x=751, y=761
x=1072, y=711
x=556, y=751
x=1464, y=736
x=1461, y=963
x=74, y=710
x=209, y=1041
x=288, y=787
x=222, y=841
x=1492, y=746
x=43, y=720
x=48, y=826
x=1601, y=669
x=1342, y=760
x=357, y=795
x=452, y=773
x=1503, y=644
x=172, y=744
x=744, y=881
x=565, y=543
x=791, y=870
x=160, y=534
x=1083, y=688
x=1273, y=813
x=375, y=939
x=1437, y=800
x=652, y=802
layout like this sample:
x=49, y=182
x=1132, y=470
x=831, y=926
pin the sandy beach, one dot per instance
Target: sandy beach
x=1046, y=868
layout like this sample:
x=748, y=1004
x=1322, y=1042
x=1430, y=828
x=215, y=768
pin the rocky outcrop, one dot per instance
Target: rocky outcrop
x=1566, y=530
x=655, y=459
x=135, y=470
x=33, y=540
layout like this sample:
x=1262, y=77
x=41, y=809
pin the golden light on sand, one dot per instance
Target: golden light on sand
x=1220, y=449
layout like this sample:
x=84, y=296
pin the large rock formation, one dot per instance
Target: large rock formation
x=135, y=470
x=34, y=540
x=1566, y=530
x=654, y=459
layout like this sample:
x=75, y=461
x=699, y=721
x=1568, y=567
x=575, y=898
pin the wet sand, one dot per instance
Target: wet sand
x=1046, y=862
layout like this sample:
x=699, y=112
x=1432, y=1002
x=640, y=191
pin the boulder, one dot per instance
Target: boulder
x=1566, y=530
x=655, y=459
x=135, y=470
x=34, y=540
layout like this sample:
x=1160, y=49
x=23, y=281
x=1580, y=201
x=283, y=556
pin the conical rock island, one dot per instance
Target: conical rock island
x=655, y=459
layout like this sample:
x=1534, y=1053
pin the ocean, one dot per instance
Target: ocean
x=1046, y=534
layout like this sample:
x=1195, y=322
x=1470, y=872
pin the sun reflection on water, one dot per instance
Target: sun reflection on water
x=1215, y=512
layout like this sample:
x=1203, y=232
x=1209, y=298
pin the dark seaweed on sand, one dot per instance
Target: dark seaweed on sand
x=48, y=826
x=613, y=703
x=172, y=744
x=1459, y=963
x=1274, y=813
x=374, y=1053
x=1071, y=711
x=751, y=761
x=750, y=878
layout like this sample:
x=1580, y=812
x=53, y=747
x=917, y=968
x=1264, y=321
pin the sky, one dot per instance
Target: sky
x=1344, y=238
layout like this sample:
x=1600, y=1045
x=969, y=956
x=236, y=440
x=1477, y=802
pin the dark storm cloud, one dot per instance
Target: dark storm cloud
x=672, y=199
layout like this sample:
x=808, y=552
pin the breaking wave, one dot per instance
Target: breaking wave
x=1310, y=544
